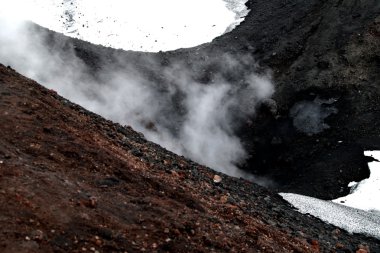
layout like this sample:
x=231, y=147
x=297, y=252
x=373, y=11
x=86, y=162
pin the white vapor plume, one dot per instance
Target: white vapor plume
x=180, y=112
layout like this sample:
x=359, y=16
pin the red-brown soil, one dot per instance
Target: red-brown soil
x=67, y=185
x=71, y=181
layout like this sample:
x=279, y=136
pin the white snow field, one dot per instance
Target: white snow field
x=358, y=212
x=351, y=219
x=149, y=25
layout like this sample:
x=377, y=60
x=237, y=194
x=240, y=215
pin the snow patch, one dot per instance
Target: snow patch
x=351, y=219
x=365, y=194
x=358, y=212
x=133, y=24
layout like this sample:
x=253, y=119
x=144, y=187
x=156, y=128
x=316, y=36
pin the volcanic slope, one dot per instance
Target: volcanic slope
x=324, y=56
x=71, y=181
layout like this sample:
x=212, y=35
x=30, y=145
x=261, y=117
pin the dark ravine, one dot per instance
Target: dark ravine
x=71, y=181
x=325, y=50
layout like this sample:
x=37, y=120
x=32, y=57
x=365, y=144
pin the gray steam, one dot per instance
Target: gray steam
x=309, y=116
x=180, y=112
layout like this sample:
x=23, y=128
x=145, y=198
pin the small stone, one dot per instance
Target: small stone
x=98, y=241
x=336, y=232
x=217, y=179
x=92, y=202
x=224, y=199
x=300, y=233
x=315, y=244
x=38, y=235
x=27, y=238
x=363, y=249
x=166, y=231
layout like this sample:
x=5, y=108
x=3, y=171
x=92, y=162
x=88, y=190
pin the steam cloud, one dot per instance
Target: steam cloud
x=180, y=112
x=309, y=116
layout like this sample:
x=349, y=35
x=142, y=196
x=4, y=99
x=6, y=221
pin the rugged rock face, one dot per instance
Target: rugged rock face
x=324, y=56
x=71, y=181
x=320, y=50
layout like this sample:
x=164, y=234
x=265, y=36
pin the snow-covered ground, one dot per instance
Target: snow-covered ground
x=358, y=212
x=148, y=25
x=351, y=219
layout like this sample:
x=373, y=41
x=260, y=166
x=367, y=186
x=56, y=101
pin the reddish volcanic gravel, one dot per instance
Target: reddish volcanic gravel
x=71, y=181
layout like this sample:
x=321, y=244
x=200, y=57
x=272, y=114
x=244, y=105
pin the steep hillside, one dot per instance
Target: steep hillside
x=71, y=181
